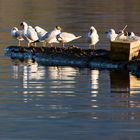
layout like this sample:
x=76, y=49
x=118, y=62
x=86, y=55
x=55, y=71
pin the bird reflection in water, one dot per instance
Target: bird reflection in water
x=94, y=81
x=29, y=74
x=62, y=78
x=27, y=68
x=100, y=84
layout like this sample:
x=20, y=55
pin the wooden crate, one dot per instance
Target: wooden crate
x=124, y=50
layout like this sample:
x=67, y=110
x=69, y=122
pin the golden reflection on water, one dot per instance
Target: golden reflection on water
x=100, y=82
x=65, y=73
x=134, y=84
x=94, y=79
x=28, y=72
x=29, y=69
x=116, y=84
x=69, y=78
x=102, y=88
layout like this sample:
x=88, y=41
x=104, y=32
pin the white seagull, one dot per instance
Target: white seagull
x=92, y=37
x=122, y=36
x=15, y=33
x=111, y=35
x=29, y=33
x=50, y=37
x=132, y=36
x=40, y=32
x=65, y=37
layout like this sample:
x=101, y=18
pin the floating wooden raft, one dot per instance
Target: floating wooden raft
x=124, y=50
x=72, y=56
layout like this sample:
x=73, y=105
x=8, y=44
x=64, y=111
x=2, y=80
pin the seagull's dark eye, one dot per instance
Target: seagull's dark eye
x=21, y=24
x=91, y=31
x=129, y=33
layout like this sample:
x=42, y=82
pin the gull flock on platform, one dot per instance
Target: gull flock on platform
x=56, y=35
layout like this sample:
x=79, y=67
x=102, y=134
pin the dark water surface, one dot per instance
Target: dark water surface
x=64, y=103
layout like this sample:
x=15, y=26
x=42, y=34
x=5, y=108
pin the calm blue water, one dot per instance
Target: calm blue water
x=65, y=103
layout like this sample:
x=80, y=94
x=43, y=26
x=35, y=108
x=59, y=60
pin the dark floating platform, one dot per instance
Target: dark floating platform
x=73, y=56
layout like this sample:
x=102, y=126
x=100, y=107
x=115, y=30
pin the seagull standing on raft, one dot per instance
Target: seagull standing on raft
x=15, y=33
x=29, y=33
x=132, y=36
x=65, y=37
x=50, y=37
x=41, y=33
x=92, y=37
x=111, y=35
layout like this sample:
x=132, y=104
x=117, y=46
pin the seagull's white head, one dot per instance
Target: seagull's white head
x=58, y=28
x=23, y=25
x=92, y=29
x=131, y=34
x=112, y=31
x=15, y=29
x=37, y=29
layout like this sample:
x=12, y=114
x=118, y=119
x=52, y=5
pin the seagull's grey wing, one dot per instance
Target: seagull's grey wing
x=48, y=36
x=136, y=37
x=17, y=34
x=45, y=37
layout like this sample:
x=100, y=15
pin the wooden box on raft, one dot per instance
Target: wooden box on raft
x=124, y=50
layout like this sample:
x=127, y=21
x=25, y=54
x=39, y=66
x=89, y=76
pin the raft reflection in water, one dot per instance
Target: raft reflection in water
x=124, y=81
x=95, y=80
x=94, y=92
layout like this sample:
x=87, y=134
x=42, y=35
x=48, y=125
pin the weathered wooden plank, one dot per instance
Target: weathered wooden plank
x=124, y=50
